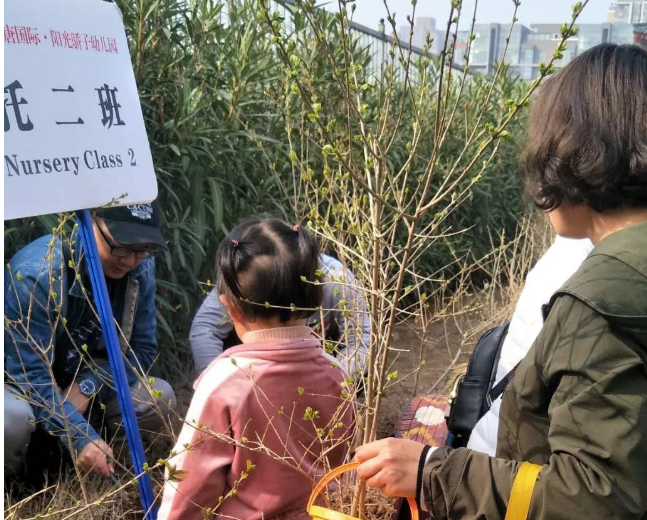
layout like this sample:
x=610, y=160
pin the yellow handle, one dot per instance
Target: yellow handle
x=351, y=466
x=521, y=494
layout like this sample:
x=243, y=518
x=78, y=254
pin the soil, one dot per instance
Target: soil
x=445, y=347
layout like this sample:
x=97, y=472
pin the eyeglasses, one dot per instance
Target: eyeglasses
x=122, y=251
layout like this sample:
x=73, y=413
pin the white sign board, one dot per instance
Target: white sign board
x=74, y=133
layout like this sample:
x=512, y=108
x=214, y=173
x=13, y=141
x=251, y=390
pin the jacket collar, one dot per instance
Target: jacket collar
x=613, y=278
x=290, y=348
x=278, y=333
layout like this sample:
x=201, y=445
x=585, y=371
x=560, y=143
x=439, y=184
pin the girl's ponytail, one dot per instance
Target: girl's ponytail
x=268, y=268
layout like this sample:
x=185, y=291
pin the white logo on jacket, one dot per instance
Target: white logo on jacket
x=141, y=211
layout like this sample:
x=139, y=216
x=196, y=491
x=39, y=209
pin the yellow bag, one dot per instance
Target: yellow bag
x=521, y=494
x=322, y=513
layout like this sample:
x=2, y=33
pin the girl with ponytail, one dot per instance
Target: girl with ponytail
x=273, y=394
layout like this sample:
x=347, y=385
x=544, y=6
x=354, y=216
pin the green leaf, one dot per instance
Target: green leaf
x=216, y=203
x=178, y=475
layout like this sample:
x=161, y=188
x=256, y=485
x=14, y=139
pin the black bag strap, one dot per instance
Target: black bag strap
x=502, y=334
x=498, y=389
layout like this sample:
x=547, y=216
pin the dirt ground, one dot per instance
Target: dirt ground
x=445, y=346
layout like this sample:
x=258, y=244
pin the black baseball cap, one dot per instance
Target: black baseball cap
x=135, y=224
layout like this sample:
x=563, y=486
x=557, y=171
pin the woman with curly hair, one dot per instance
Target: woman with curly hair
x=577, y=404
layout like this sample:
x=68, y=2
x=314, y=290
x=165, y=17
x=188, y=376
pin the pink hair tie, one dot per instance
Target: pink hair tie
x=296, y=228
x=235, y=242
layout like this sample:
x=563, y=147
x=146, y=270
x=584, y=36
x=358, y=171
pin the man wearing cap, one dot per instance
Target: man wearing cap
x=57, y=373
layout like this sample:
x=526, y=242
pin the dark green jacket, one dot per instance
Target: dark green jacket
x=577, y=405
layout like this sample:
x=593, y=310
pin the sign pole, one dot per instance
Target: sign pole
x=104, y=310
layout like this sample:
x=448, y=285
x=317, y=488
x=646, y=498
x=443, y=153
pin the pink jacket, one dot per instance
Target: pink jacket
x=277, y=392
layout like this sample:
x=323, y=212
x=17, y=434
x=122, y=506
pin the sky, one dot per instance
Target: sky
x=369, y=12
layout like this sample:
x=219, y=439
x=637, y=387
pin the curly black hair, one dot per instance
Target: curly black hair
x=587, y=139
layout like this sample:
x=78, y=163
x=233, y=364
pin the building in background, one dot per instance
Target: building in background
x=524, y=48
x=628, y=11
x=531, y=46
x=423, y=26
x=640, y=35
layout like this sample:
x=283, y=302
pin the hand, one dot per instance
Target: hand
x=391, y=465
x=73, y=395
x=96, y=456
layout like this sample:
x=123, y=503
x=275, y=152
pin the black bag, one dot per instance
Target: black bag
x=474, y=392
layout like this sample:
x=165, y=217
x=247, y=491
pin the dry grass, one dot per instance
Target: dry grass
x=64, y=500
x=377, y=505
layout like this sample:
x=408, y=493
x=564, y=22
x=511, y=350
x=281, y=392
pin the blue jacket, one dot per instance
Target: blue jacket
x=39, y=303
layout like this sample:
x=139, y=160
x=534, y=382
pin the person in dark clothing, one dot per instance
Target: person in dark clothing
x=57, y=372
x=577, y=404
